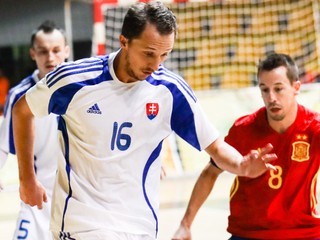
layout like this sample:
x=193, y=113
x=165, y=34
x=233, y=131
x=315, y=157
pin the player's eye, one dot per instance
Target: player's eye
x=149, y=54
x=278, y=89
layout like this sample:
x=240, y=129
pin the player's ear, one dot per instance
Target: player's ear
x=32, y=53
x=297, y=85
x=123, y=41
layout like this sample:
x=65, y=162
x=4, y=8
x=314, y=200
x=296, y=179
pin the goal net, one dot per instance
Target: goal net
x=219, y=44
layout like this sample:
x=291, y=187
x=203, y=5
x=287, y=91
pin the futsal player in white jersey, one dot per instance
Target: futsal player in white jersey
x=48, y=49
x=116, y=110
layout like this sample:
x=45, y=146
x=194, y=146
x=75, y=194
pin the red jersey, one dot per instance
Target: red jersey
x=279, y=204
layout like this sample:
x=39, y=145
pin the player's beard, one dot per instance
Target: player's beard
x=279, y=116
x=130, y=72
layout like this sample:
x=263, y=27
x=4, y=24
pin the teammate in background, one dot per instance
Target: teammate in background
x=4, y=87
x=48, y=49
x=115, y=111
x=279, y=204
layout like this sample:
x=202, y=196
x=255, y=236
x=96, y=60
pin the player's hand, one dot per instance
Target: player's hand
x=257, y=162
x=33, y=193
x=183, y=233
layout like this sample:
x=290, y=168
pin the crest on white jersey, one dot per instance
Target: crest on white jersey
x=152, y=110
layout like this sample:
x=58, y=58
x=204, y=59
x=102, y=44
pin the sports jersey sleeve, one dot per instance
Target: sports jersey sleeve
x=189, y=120
x=54, y=93
x=6, y=131
x=196, y=128
x=231, y=136
x=38, y=97
x=234, y=137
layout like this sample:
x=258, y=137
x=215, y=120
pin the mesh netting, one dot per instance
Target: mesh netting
x=219, y=44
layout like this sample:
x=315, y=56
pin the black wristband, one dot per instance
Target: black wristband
x=214, y=164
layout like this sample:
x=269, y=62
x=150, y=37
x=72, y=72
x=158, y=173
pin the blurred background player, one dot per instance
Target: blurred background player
x=48, y=49
x=279, y=204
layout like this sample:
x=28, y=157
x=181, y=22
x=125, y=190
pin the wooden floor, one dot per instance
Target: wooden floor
x=211, y=221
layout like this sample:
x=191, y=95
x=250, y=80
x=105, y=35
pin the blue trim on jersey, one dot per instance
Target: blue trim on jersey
x=84, y=66
x=154, y=155
x=61, y=98
x=182, y=117
x=63, y=128
x=74, y=73
x=16, y=93
x=81, y=62
x=180, y=81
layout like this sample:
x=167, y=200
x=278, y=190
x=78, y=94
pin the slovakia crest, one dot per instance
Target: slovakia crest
x=152, y=110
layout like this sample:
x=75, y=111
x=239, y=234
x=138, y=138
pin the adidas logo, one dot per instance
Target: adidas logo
x=94, y=109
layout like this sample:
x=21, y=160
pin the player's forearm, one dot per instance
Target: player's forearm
x=254, y=164
x=200, y=193
x=226, y=157
x=23, y=132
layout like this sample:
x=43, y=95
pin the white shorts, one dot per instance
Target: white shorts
x=33, y=223
x=101, y=234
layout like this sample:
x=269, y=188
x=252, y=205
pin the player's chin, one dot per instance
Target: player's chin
x=277, y=116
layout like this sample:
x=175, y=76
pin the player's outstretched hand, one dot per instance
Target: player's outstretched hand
x=257, y=162
x=182, y=233
x=33, y=193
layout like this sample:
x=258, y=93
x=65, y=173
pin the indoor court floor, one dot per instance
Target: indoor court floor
x=210, y=223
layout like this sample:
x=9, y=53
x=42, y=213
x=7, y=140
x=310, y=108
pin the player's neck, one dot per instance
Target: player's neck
x=40, y=75
x=119, y=67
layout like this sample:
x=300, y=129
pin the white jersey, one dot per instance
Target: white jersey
x=45, y=161
x=111, y=136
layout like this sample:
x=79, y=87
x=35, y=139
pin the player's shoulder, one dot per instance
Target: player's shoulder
x=81, y=70
x=309, y=115
x=171, y=80
x=307, y=111
x=22, y=86
x=81, y=65
x=165, y=75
